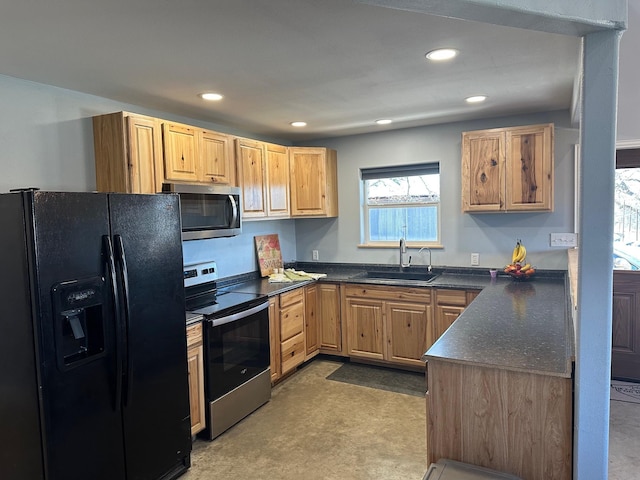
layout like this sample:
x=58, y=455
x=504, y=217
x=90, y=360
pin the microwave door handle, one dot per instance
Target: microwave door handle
x=234, y=211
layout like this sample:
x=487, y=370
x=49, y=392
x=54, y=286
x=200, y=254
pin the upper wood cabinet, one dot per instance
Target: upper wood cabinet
x=128, y=153
x=508, y=169
x=263, y=173
x=216, y=155
x=314, y=182
x=180, y=152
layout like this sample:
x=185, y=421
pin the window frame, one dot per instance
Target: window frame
x=394, y=172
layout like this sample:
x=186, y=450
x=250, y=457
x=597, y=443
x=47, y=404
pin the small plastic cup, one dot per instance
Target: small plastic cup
x=493, y=272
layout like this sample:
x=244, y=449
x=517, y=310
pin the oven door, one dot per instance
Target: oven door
x=237, y=349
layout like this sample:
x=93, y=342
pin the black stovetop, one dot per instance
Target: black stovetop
x=213, y=302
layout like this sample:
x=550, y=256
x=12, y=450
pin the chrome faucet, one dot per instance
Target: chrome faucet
x=403, y=250
x=427, y=248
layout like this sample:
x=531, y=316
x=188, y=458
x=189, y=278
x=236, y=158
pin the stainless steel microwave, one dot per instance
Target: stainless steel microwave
x=208, y=211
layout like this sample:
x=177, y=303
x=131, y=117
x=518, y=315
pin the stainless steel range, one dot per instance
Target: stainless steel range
x=236, y=348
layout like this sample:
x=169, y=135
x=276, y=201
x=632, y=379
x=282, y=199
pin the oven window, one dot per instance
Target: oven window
x=236, y=352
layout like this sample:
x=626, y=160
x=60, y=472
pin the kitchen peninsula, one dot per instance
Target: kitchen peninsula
x=499, y=379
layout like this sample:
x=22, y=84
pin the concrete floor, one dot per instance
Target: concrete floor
x=624, y=440
x=318, y=429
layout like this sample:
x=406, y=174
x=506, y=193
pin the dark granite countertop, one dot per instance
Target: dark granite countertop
x=522, y=326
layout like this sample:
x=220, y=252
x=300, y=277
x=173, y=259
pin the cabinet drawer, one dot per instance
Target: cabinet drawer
x=194, y=335
x=289, y=298
x=291, y=320
x=451, y=297
x=420, y=295
x=292, y=352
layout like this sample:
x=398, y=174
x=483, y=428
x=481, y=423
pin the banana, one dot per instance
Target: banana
x=519, y=253
x=525, y=267
x=523, y=253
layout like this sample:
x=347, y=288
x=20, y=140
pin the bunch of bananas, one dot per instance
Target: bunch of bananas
x=518, y=266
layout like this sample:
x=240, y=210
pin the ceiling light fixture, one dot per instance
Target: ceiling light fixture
x=442, y=54
x=214, y=97
x=298, y=124
x=476, y=99
x=384, y=121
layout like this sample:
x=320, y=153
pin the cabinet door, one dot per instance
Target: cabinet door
x=529, y=168
x=250, y=159
x=215, y=158
x=483, y=162
x=408, y=333
x=195, y=367
x=365, y=328
x=311, y=337
x=277, y=171
x=145, y=155
x=329, y=318
x=180, y=152
x=310, y=181
x=445, y=316
x=274, y=338
x=291, y=320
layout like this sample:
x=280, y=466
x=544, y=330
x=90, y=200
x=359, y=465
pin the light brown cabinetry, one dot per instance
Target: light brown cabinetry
x=311, y=322
x=331, y=331
x=216, y=155
x=263, y=171
x=449, y=304
x=274, y=338
x=194, y=155
x=195, y=367
x=314, y=182
x=510, y=421
x=180, y=152
x=292, y=344
x=128, y=153
x=508, y=169
x=391, y=324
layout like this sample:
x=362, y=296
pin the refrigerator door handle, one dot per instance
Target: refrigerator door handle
x=122, y=259
x=111, y=268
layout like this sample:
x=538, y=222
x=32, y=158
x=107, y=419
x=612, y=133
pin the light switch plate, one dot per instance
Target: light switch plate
x=475, y=259
x=565, y=240
x=314, y=255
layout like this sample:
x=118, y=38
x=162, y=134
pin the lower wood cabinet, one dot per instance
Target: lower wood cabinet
x=311, y=331
x=330, y=328
x=390, y=324
x=449, y=304
x=274, y=338
x=195, y=366
x=514, y=422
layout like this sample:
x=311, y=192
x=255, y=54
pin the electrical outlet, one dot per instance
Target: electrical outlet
x=314, y=255
x=563, y=240
x=475, y=259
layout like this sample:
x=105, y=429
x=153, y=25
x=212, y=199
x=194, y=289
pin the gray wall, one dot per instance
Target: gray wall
x=46, y=141
x=492, y=235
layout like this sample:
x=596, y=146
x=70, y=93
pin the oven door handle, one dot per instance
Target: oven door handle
x=239, y=316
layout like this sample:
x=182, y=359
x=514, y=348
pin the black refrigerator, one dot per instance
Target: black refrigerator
x=93, y=363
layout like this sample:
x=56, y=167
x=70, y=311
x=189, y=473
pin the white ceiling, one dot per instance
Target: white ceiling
x=338, y=65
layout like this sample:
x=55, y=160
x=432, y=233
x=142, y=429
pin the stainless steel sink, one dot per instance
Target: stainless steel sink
x=401, y=275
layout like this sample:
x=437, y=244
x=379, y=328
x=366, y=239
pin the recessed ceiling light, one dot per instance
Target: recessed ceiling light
x=441, y=54
x=476, y=99
x=384, y=121
x=298, y=124
x=214, y=97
